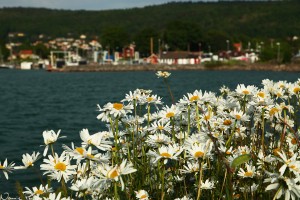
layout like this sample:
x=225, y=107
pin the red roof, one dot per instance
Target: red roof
x=26, y=52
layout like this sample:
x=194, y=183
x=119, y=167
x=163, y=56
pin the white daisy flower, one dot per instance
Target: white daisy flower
x=207, y=185
x=37, y=191
x=115, y=173
x=166, y=152
x=249, y=173
x=160, y=126
x=50, y=137
x=142, y=195
x=58, y=167
x=7, y=168
x=162, y=74
x=199, y=150
x=291, y=163
x=158, y=139
x=29, y=160
x=83, y=185
x=245, y=91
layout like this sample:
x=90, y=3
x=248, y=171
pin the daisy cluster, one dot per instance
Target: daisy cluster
x=240, y=143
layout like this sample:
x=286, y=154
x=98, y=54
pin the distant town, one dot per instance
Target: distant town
x=68, y=51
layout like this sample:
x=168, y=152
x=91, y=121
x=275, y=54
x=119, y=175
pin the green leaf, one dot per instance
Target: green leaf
x=240, y=160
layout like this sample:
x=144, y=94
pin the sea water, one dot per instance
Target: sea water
x=34, y=101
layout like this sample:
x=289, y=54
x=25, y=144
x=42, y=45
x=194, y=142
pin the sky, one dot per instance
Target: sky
x=85, y=4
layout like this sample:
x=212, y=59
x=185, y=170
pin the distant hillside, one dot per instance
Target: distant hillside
x=180, y=25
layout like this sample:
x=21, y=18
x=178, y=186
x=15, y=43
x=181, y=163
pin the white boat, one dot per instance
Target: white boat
x=6, y=66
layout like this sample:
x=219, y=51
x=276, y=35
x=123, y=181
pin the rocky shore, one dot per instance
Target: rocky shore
x=149, y=67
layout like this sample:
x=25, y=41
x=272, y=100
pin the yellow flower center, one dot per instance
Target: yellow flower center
x=1, y=167
x=199, y=154
x=294, y=141
x=194, y=98
x=248, y=174
x=113, y=173
x=166, y=155
x=293, y=167
x=228, y=152
x=29, y=164
x=296, y=90
x=117, y=106
x=39, y=192
x=90, y=156
x=273, y=111
x=227, y=122
x=149, y=99
x=143, y=196
x=238, y=117
x=60, y=166
x=278, y=94
x=160, y=128
x=170, y=114
x=80, y=150
x=245, y=92
x=275, y=151
x=261, y=94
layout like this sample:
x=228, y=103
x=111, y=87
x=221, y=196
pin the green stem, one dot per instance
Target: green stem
x=116, y=191
x=169, y=89
x=231, y=135
x=162, y=182
x=200, y=179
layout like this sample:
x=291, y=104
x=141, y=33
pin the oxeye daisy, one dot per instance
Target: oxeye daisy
x=291, y=163
x=98, y=140
x=76, y=153
x=160, y=126
x=135, y=96
x=114, y=173
x=6, y=168
x=37, y=191
x=162, y=74
x=169, y=112
x=83, y=185
x=192, y=98
x=58, y=167
x=142, y=195
x=199, y=150
x=50, y=137
x=158, y=139
x=288, y=187
x=118, y=109
x=294, y=89
x=245, y=91
x=29, y=160
x=153, y=99
x=166, y=152
x=249, y=173
x=207, y=185
x=239, y=115
x=190, y=167
x=184, y=198
x=273, y=111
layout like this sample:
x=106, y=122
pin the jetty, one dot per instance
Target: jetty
x=158, y=67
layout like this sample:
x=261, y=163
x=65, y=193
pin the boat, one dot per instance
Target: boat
x=6, y=66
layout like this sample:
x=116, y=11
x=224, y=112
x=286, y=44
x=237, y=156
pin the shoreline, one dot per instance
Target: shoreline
x=158, y=67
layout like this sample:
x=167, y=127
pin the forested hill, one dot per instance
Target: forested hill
x=190, y=22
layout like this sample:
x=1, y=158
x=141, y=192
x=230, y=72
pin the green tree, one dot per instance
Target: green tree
x=41, y=50
x=142, y=40
x=114, y=38
x=182, y=35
